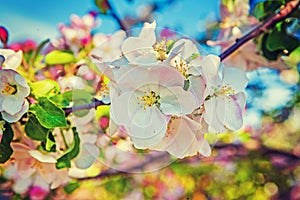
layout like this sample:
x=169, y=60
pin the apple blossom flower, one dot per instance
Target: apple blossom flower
x=13, y=89
x=148, y=98
x=12, y=59
x=108, y=47
x=29, y=161
x=225, y=99
x=144, y=48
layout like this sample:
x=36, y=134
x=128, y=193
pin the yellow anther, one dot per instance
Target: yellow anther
x=161, y=49
x=149, y=100
x=9, y=89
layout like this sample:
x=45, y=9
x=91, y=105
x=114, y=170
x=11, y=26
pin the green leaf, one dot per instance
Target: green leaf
x=103, y=6
x=5, y=148
x=279, y=40
x=44, y=88
x=35, y=130
x=71, y=187
x=263, y=10
x=48, y=114
x=59, y=57
x=49, y=144
x=65, y=160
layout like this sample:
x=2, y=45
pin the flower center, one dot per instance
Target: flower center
x=9, y=89
x=182, y=67
x=149, y=100
x=226, y=90
x=161, y=49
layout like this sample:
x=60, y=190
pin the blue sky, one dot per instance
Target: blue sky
x=38, y=19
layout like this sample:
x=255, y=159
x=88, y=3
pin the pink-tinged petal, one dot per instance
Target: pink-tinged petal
x=230, y=112
x=180, y=140
x=235, y=78
x=61, y=178
x=47, y=171
x=177, y=101
x=145, y=137
x=210, y=66
x=197, y=87
x=205, y=148
x=166, y=76
x=22, y=185
x=11, y=105
x=25, y=167
x=13, y=118
x=87, y=156
x=211, y=117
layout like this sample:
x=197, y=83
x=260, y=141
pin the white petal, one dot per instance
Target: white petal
x=145, y=137
x=12, y=105
x=120, y=108
x=197, y=87
x=210, y=66
x=42, y=157
x=187, y=50
x=177, y=101
x=13, y=118
x=205, y=149
x=148, y=32
x=230, y=112
x=210, y=116
x=235, y=78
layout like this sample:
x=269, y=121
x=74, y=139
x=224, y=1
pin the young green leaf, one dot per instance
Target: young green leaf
x=59, y=57
x=48, y=114
x=65, y=160
x=44, y=88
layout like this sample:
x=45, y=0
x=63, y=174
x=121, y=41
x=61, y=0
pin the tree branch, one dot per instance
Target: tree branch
x=116, y=17
x=113, y=172
x=261, y=28
x=94, y=104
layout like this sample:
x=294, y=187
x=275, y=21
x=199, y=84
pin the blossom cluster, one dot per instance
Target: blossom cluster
x=166, y=95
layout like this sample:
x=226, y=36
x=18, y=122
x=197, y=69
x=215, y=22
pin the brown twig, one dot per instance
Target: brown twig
x=261, y=28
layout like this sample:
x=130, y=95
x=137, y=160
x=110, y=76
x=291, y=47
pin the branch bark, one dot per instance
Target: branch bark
x=94, y=104
x=261, y=28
